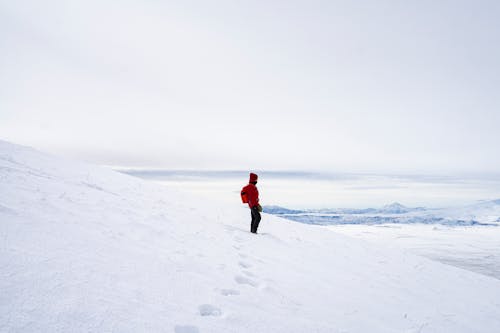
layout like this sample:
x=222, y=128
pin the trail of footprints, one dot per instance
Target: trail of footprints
x=246, y=278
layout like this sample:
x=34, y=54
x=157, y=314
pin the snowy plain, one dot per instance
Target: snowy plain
x=475, y=248
x=87, y=249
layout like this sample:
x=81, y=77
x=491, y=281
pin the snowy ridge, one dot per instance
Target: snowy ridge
x=87, y=249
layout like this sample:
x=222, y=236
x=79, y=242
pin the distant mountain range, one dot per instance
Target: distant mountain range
x=481, y=213
x=393, y=208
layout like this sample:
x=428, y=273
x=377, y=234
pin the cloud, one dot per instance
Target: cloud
x=268, y=85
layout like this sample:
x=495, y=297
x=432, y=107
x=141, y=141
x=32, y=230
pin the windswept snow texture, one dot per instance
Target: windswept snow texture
x=85, y=249
x=481, y=213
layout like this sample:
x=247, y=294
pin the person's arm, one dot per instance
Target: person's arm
x=259, y=207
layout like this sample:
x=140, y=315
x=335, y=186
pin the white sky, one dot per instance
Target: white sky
x=382, y=86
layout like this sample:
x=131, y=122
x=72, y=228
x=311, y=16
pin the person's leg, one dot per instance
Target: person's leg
x=257, y=220
x=254, y=217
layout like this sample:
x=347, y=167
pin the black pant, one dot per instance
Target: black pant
x=255, y=219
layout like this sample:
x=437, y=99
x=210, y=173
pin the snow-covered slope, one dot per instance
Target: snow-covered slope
x=86, y=249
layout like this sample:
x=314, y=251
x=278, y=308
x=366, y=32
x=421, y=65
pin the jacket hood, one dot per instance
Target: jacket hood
x=253, y=177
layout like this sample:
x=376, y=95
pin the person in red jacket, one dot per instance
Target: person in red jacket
x=250, y=195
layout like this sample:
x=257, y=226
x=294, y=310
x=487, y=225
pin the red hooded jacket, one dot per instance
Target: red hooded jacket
x=251, y=191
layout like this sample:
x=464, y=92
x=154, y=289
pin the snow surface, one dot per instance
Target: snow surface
x=84, y=248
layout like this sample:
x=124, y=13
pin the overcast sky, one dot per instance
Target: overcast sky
x=375, y=86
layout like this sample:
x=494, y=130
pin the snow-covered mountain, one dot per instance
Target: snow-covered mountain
x=86, y=249
x=396, y=208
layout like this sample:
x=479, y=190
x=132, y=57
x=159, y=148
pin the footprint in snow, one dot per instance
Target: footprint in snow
x=244, y=264
x=209, y=310
x=244, y=280
x=186, y=329
x=229, y=292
